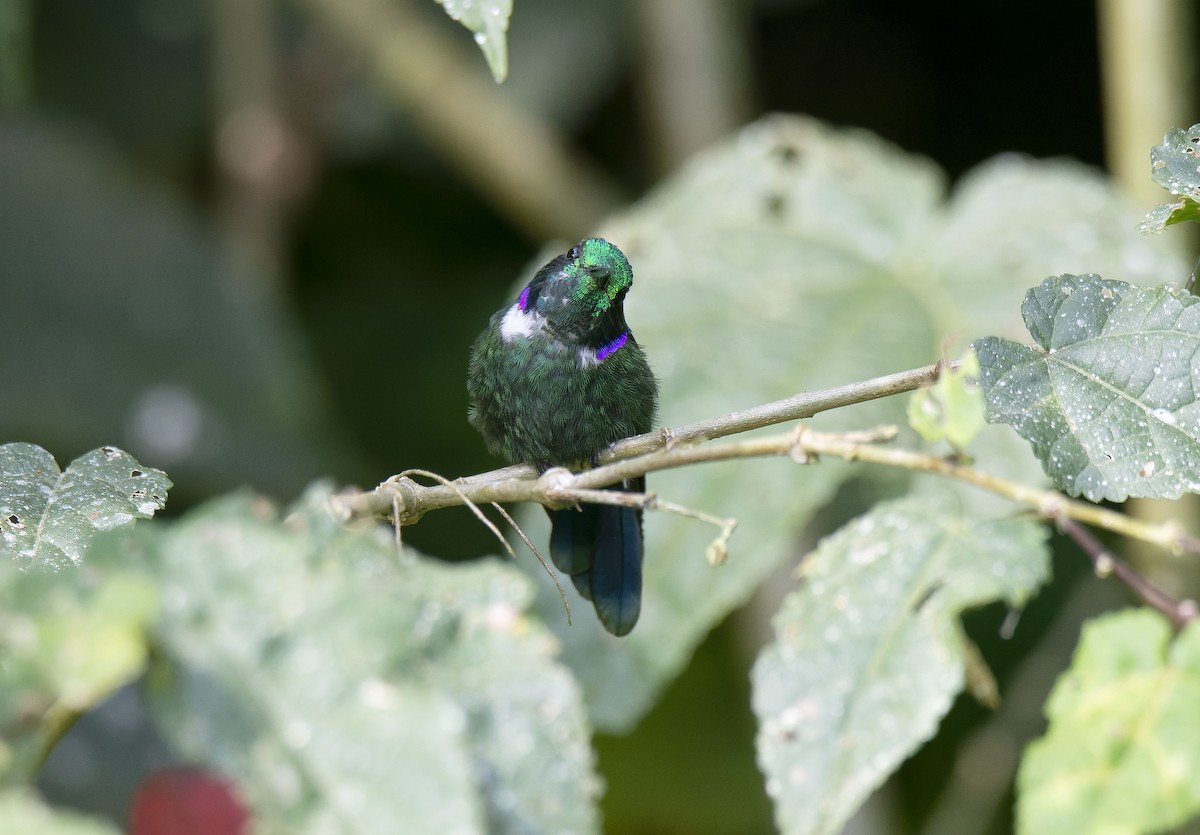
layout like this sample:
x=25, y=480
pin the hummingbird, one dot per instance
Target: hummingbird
x=555, y=377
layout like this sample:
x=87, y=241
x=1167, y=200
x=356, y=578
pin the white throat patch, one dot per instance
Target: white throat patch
x=520, y=323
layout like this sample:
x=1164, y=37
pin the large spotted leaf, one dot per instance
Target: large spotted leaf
x=1108, y=395
x=869, y=653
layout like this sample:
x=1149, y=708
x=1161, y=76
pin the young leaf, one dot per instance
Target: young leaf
x=48, y=517
x=1108, y=396
x=1122, y=751
x=488, y=19
x=346, y=687
x=869, y=654
x=1174, y=167
x=952, y=408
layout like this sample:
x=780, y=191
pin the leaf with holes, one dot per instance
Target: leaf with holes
x=1108, y=396
x=1122, y=750
x=869, y=653
x=48, y=517
x=1175, y=165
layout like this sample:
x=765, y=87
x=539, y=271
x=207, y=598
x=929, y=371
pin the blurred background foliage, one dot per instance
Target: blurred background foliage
x=250, y=242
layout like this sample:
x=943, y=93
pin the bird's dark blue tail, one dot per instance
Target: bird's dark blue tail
x=600, y=546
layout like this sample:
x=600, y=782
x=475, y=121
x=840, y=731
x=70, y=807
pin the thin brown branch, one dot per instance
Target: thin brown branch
x=1105, y=563
x=558, y=487
x=517, y=482
x=1049, y=504
x=717, y=550
x=633, y=457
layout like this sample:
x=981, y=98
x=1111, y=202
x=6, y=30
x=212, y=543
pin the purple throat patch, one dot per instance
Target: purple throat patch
x=523, y=302
x=611, y=348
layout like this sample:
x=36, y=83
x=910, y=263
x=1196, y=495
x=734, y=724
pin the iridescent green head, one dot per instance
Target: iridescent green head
x=581, y=293
x=603, y=275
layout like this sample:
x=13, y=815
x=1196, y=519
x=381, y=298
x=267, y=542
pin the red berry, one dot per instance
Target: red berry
x=187, y=801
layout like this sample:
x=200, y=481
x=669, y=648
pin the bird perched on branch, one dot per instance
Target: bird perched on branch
x=555, y=378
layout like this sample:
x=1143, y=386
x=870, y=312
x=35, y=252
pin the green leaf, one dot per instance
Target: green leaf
x=70, y=634
x=22, y=813
x=952, y=409
x=68, y=639
x=1174, y=167
x=1108, y=396
x=1168, y=214
x=869, y=653
x=797, y=257
x=1122, y=751
x=49, y=517
x=488, y=19
x=346, y=687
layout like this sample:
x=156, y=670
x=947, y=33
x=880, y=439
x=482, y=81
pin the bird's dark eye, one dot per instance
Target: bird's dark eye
x=573, y=253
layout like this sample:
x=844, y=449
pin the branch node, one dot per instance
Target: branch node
x=797, y=450
x=555, y=486
x=935, y=370
x=401, y=492
x=1050, y=506
x=1175, y=536
x=718, y=550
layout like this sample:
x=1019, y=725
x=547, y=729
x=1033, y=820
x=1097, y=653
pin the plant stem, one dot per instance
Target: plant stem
x=672, y=448
x=514, y=483
x=1105, y=563
x=1048, y=503
x=558, y=486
